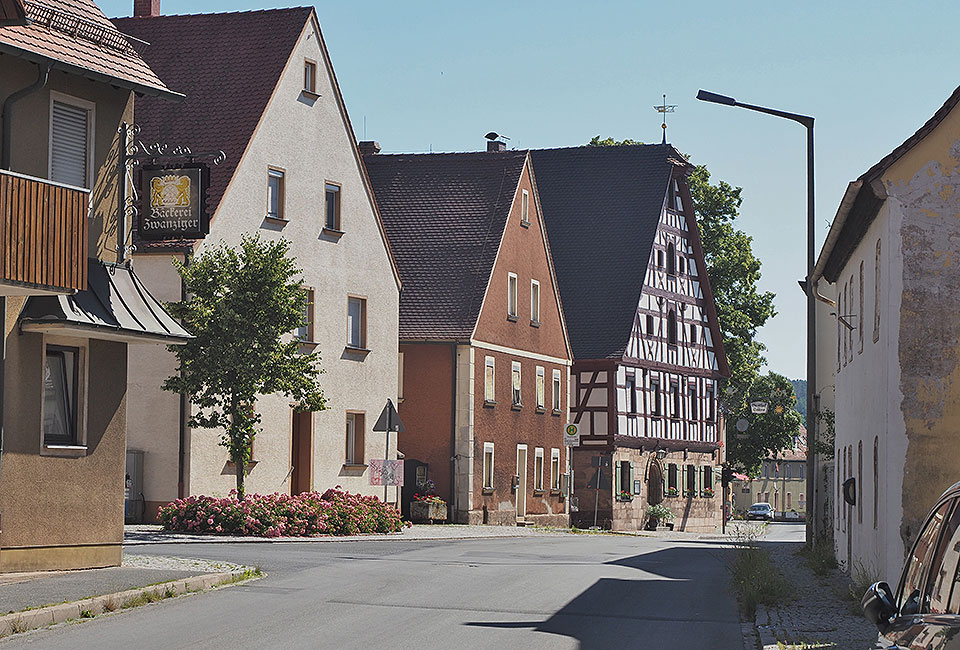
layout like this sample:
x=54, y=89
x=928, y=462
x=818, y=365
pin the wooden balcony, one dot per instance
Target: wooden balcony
x=43, y=236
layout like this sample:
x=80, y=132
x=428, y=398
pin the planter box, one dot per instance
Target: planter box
x=423, y=512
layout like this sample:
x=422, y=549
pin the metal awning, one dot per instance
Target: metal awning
x=116, y=306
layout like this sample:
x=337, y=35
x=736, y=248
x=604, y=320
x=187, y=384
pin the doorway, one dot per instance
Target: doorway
x=521, y=482
x=301, y=456
x=655, y=484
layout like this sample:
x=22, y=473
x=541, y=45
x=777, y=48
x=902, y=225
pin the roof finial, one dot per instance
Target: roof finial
x=665, y=108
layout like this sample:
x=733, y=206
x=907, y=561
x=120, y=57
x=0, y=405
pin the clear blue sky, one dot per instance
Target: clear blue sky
x=438, y=75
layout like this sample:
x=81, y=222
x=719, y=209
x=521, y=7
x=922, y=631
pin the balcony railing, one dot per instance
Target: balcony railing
x=43, y=234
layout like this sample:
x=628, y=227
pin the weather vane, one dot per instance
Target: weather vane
x=665, y=108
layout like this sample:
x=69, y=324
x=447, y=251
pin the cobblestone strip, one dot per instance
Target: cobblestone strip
x=32, y=619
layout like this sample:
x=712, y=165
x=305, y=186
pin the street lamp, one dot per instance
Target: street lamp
x=806, y=121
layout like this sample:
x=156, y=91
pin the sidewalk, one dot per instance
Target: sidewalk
x=816, y=616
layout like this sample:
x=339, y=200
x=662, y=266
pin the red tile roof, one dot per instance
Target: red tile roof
x=227, y=65
x=444, y=215
x=76, y=37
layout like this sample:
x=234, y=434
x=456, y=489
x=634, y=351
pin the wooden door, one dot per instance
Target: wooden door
x=301, y=457
x=522, y=483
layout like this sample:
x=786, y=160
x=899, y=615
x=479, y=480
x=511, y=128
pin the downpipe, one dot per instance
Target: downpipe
x=43, y=75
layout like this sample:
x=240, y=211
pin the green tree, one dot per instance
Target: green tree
x=241, y=303
x=595, y=141
x=767, y=433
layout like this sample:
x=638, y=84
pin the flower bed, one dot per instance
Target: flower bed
x=334, y=512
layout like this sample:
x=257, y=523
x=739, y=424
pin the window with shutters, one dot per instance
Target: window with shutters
x=690, y=480
x=673, y=483
x=71, y=140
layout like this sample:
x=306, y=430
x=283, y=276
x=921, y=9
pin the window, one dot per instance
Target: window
x=711, y=405
x=310, y=77
x=876, y=296
x=554, y=469
x=355, y=435
x=332, y=207
x=671, y=259
x=305, y=331
x=671, y=328
x=512, y=295
x=787, y=470
x=525, y=207
x=275, y=193
x=693, y=334
x=706, y=478
x=489, y=394
x=71, y=138
x=860, y=312
x=538, y=469
x=515, y=375
x=631, y=394
x=61, y=396
x=919, y=562
x=624, y=476
x=650, y=325
x=800, y=470
x=557, y=388
x=534, y=302
x=690, y=484
x=357, y=323
x=675, y=393
x=655, y=396
x=673, y=484
x=659, y=259
x=541, y=389
x=400, y=377
x=488, y=465
x=692, y=392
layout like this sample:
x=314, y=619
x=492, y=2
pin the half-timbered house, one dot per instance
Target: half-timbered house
x=484, y=352
x=644, y=332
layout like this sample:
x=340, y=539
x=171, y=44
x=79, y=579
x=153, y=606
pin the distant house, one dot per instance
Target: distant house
x=643, y=327
x=888, y=268
x=483, y=344
x=782, y=483
x=260, y=86
x=71, y=307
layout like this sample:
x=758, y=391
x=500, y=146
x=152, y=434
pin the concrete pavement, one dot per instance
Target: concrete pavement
x=543, y=591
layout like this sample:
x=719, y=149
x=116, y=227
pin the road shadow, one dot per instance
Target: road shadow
x=679, y=598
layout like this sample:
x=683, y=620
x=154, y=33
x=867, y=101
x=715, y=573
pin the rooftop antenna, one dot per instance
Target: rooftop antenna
x=665, y=108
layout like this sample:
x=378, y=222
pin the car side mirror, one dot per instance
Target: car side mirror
x=878, y=605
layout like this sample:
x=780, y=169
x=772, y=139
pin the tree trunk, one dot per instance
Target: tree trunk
x=240, y=465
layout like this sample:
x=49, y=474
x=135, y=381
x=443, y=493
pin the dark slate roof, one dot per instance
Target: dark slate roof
x=601, y=206
x=115, y=306
x=227, y=65
x=444, y=215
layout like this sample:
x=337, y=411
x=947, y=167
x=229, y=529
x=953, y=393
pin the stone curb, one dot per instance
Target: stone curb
x=223, y=539
x=762, y=624
x=32, y=619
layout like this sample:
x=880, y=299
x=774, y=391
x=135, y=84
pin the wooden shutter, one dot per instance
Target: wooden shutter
x=69, y=146
x=617, y=482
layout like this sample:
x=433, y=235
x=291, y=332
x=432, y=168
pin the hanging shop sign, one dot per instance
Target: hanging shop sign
x=173, y=201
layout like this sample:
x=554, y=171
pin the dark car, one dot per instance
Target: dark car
x=760, y=511
x=925, y=610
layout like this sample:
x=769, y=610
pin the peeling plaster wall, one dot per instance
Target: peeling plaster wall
x=867, y=402
x=929, y=330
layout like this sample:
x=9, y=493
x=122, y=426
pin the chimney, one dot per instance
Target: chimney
x=368, y=147
x=496, y=145
x=146, y=8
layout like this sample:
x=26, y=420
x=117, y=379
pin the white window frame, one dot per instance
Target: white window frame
x=281, y=174
x=310, y=76
x=490, y=389
x=541, y=388
x=91, y=109
x=363, y=323
x=488, y=447
x=525, y=207
x=534, y=302
x=516, y=384
x=555, y=469
x=557, y=390
x=83, y=381
x=538, y=471
x=513, y=306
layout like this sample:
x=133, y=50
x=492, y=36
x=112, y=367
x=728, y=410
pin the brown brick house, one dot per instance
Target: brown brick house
x=483, y=344
x=644, y=331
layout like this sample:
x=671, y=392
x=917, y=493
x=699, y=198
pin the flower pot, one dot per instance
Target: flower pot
x=425, y=512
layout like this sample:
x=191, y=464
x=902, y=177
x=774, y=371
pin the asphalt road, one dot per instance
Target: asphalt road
x=557, y=592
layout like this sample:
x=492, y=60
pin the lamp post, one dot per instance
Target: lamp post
x=807, y=122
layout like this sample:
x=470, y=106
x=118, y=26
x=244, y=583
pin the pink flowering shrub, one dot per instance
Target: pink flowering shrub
x=334, y=512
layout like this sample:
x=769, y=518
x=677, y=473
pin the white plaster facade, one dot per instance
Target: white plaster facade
x=312, y=141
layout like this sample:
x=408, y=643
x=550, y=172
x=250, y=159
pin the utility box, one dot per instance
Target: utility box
x=133, y=502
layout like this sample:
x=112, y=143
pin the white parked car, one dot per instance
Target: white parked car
x=760, y=511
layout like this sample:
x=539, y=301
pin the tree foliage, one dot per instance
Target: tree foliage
x=595, y=141
x=241, y=304
x=768, y=433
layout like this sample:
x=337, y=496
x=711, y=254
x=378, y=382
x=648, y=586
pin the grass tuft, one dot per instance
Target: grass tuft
x=756, y=580
x=820, y=558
